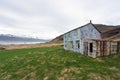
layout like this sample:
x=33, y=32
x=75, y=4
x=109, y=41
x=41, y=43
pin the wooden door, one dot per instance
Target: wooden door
x=104, y=47
x=101, y=48
x=85, y=48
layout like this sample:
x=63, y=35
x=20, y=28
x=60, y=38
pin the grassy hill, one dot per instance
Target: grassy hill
x=54, y=63
x=58, y=39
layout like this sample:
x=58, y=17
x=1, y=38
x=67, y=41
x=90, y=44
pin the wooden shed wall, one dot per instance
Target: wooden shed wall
x=102, y=48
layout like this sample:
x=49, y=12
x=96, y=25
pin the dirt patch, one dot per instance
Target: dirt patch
x=3, y=74
x=99, y=60
x=118, y=74
x=71, y=69
x=94, y=76
x=46, y=78
x=39, y=52
x=64, y=71
x=75, y=70
x=32, y=76
x=67, y=73
x=20, y=71
x=60, y=78
x=31, y=67
x=55, y=64
x=114, y=68
x=7, y=77
x=107, y=77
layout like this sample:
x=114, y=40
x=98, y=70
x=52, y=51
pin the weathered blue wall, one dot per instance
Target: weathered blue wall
x=90, y=32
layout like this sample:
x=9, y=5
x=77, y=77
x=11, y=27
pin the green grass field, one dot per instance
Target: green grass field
x=54, y=63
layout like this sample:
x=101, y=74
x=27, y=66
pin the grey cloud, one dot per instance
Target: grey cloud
x=56, y=17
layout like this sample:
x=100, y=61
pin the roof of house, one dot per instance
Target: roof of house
x=100, y=27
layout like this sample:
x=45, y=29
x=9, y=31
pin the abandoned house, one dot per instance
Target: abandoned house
x=93, y=40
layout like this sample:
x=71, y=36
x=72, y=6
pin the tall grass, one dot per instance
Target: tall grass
x=54, y=63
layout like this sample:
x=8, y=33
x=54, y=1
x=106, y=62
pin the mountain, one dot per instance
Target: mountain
x=9, y=37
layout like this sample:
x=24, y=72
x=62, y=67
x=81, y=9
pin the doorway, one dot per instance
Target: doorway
x=86, y=48
x=91, y=47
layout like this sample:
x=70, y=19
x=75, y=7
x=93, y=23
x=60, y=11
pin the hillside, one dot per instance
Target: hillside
x=58, y=39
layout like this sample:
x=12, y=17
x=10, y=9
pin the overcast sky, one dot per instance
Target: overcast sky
x=49, y=18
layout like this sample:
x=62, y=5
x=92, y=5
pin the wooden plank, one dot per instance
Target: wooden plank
x=101, y=48
x=118, y=47
x=97, y=52
x=105, y=47
x=86, y=48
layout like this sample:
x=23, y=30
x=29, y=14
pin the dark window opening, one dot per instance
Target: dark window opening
x=72, y=45
x=78, y=45
x=91, y=47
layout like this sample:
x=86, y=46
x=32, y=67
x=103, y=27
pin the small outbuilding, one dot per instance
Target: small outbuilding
x=93, y=40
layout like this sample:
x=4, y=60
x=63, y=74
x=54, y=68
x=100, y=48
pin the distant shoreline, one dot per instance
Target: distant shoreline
x=22, y=46
x=19, y=42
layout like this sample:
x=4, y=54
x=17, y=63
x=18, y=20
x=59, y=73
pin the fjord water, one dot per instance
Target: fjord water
x=20, y=42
